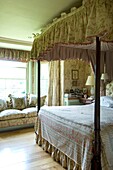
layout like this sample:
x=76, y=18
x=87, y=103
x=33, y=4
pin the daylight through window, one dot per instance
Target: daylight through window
x=44, y=78
x=12, y=77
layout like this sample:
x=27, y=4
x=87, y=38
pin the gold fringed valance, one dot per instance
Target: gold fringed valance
x=93, y=18
x=14, y=55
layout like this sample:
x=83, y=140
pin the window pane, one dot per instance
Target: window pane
x=12, y=73
x=12, y=78
x=12, y=64
x=44, y=78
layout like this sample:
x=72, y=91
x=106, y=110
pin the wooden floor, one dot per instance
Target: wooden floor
x=18, y=151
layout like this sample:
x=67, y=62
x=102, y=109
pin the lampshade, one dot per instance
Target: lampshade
x=90, y=81
x=104, y=77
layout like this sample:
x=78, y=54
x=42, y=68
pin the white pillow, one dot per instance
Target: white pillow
x=32, y=100
x=106, y=101
x=2, y=104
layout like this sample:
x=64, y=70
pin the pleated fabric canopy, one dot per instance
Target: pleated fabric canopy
x=76, y=30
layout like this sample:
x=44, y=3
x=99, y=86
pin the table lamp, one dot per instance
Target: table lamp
x=104, y=77
x=90, y=82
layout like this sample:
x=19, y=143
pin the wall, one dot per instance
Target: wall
x=84, y=70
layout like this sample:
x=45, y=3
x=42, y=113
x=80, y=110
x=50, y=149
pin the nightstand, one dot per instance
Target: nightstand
x=86, y=101
x=71, y=101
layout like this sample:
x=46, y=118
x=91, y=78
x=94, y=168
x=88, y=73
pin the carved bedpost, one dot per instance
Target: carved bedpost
x=96, y=162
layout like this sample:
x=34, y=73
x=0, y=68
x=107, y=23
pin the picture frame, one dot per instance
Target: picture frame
x=75, y=75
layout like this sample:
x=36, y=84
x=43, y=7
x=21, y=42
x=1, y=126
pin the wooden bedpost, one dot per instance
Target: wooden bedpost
x=38, y=99
x=96, y=162
x=38, y=91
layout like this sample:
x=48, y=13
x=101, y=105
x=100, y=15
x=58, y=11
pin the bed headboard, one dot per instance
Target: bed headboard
x=109, y=89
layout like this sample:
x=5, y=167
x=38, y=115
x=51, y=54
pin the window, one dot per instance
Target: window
x=12, y=77
x=44, y=78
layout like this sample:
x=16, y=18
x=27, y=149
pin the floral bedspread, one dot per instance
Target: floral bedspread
x=70, y=129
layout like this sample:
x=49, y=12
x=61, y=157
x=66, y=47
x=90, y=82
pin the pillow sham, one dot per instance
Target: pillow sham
x=106, y=101
x=19, y=102
x=3, y=104
x=43, y=99
x=33, y=100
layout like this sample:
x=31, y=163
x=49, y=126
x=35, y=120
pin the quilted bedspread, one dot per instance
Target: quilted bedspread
x=70, y=129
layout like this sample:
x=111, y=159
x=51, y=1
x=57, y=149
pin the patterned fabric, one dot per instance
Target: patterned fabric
x=16, y=55
x=43, y=98
x=109, y=89
x=57, y=155
x=33, y=100
x=70, y=129
x=17, y=122
x=77, y=27
x=11, y=114
x=70, y=137
x=3, y=104
x=19, y=102
x=9, y=102
x=54, y=91
x=30, y=112
x=14, y=114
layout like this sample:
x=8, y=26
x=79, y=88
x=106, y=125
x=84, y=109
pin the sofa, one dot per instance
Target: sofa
x=18, y=111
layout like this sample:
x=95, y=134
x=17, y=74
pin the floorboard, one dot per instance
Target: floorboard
x=18, y=151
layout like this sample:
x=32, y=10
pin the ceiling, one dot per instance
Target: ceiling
x=20, y=19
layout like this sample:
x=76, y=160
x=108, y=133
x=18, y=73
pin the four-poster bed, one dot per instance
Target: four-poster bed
x=90, y=28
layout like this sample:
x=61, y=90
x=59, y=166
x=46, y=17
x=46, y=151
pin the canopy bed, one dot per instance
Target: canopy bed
x=86, y=32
